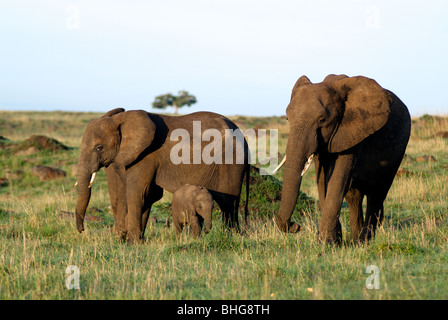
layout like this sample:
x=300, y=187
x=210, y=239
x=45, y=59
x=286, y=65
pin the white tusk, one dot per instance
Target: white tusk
x=92, y=179
x=280, y=165
x=307, y=164
x=76, y=183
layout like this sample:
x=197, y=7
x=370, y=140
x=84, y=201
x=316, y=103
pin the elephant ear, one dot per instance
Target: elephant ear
x=192, y=209
x=113, y=112
x=367, y=109
x=334, y=77
x=137, y=132
x=303, y=80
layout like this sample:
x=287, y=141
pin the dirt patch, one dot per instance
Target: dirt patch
x=441, y=134
x=12, y=175
x=27, y=152
x=71, y=216
x=32, y=145
x=47, y=173
x=426, y=158
x=44, y=143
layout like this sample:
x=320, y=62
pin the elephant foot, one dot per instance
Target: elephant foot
x=133, y=238
x=330, y=237
x=119, y=233
x=294, y=227
x=366, y=235
x=288, y=226
x=231, y=227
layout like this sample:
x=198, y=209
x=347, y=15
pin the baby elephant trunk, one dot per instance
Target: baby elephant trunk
x=208, y=225
x=207, y=220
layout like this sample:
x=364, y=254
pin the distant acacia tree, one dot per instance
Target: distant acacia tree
x=183, y=98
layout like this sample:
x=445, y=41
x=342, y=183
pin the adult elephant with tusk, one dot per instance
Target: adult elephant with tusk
x=136, y=147
x=357, y=133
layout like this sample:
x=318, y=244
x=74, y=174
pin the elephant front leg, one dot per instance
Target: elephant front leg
x=134, y=224
x=117, y=194
x=140, y=196
x=120, y=218
x=354, y=199
x=336, y=187
x=178, y=226
x=154, y=194
x=196, y=226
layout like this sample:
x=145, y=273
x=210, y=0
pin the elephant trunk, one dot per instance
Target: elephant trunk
x=208, y=224
x=208, y=221
x=84, y=181
x=84, y=193
x=296, y=161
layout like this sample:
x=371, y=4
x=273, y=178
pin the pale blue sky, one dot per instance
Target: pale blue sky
x=236, y=56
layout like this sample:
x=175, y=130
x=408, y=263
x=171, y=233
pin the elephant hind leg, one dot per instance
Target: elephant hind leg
x=354, y=199
x=374, y=216
x=155, y=194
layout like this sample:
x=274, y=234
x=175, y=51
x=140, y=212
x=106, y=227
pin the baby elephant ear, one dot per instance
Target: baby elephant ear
x=191, y=209
x=367, y=108
x=137, y=133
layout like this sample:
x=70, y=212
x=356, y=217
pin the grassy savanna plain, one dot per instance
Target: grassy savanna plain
x=38, y=243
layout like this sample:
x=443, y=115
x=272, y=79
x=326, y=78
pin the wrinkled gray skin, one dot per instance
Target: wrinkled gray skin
x=135, y=146
x=358, y=132
x=191, y=206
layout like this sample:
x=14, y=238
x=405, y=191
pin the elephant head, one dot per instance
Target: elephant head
x=203, y=203
x=117, y=139
x=328, y=117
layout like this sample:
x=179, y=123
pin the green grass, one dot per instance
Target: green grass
x=37, y=244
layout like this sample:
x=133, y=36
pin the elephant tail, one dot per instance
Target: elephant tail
x=167, y=222
x=381, y=215
x=246, y=207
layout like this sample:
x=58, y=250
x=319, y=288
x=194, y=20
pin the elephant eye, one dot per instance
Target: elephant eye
x=99, y=148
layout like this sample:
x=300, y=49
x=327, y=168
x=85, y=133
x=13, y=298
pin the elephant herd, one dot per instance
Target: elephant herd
x=355, y=130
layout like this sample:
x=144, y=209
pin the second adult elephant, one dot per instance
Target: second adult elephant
x=357, y=132
x=137, y=148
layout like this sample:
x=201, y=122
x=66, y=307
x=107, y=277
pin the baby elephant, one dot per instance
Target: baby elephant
x=191, y=205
